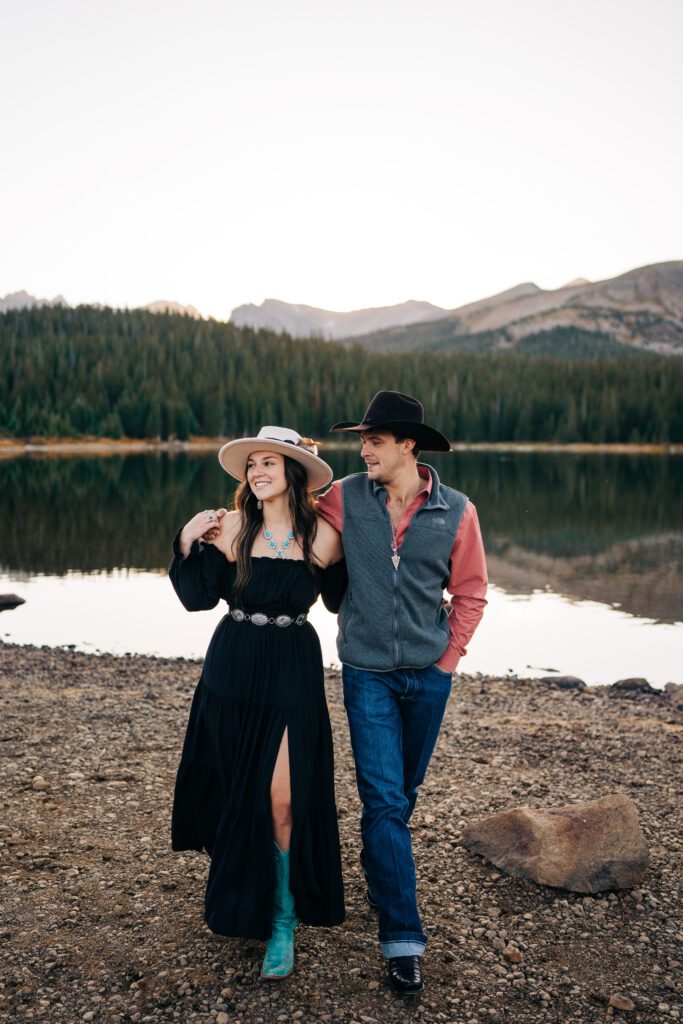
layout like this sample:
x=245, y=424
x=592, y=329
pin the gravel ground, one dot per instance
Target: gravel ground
x=102, y=922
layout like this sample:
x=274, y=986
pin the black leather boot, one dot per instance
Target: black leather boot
x=405, y=975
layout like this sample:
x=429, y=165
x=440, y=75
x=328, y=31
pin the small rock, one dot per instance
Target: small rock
x=38, y=782
x=512, y=955
x=373, y=985
x=222, y=1018
x=620, y=1002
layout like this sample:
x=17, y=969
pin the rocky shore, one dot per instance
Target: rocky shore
x=100, y=921
x=11, y=447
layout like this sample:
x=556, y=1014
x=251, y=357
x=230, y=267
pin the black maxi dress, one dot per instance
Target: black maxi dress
x=256, y=682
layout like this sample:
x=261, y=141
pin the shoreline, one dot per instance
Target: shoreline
x=92, y=744
x=553, y=679
x=11, y=448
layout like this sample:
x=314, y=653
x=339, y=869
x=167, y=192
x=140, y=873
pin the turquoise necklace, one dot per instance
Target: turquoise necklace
x=280, y=549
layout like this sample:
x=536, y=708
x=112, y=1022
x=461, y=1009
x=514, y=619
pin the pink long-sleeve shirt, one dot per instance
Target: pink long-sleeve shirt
x=468, y=578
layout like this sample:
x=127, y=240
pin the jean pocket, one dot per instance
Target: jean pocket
x=446, y=675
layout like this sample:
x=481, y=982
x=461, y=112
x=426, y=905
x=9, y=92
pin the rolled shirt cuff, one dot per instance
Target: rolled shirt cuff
x=448, y=662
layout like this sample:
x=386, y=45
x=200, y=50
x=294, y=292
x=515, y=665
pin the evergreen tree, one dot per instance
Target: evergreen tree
x=74, y=372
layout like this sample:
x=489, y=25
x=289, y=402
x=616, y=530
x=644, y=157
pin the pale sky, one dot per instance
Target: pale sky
x=339, y=154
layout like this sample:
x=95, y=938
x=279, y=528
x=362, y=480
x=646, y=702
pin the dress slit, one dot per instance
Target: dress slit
x=283, y=737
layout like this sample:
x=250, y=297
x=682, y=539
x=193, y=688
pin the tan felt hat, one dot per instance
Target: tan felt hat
x=233, y=455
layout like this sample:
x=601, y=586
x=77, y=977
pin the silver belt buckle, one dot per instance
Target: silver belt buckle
x=260, y=619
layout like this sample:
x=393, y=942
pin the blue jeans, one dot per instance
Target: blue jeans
x=394, y=722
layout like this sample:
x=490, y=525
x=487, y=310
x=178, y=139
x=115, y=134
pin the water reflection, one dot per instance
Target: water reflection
x=599, y=527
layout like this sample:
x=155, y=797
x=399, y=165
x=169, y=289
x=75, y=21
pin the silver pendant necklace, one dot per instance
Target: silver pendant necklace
x=395, y=557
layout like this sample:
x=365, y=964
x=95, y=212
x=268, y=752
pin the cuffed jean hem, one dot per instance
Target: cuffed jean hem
x=402, y=947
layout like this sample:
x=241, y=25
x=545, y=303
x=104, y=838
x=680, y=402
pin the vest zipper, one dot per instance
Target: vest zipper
x=397, y=642
x=397, y=646
x=395, y=571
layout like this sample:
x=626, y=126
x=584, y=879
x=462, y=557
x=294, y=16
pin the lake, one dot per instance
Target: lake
x=585, y=556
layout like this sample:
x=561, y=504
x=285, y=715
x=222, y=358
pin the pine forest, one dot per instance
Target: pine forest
x=108, y=373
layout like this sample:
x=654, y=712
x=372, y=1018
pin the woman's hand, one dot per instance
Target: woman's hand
x=204, y=526
x=215, y=530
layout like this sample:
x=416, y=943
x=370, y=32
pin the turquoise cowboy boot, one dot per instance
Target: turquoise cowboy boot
x=279, y=959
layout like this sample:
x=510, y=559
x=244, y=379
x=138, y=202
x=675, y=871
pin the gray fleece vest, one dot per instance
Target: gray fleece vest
x=394, y=618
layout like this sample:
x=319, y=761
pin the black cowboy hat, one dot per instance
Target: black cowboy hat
x=399, y=414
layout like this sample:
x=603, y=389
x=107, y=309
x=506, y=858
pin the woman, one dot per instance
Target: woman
x=255, y=786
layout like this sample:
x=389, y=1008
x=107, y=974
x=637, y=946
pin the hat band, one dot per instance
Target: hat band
x=304, y=442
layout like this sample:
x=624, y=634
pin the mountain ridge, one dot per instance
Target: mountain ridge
x=641, y=309
x=302, y=321
x=24, y=300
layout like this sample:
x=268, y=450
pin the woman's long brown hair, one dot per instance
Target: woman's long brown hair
x=301, y=509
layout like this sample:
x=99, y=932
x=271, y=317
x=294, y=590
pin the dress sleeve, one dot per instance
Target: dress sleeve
x=200, y=580
x=332, y=583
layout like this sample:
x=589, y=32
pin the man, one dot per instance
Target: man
x=406, y=537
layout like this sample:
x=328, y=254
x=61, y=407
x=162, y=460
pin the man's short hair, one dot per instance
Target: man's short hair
x=404, y=437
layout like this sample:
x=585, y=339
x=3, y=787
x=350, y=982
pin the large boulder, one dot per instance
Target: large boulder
x=564, y=682
x=633, y=686
x=675, y=693
x=584, y=847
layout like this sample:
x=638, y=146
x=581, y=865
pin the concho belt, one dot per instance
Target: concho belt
x=260, y=619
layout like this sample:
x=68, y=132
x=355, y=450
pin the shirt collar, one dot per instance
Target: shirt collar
x=434, y=498
x=426, y=478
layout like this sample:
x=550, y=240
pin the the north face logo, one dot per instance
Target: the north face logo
x=439, y=521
